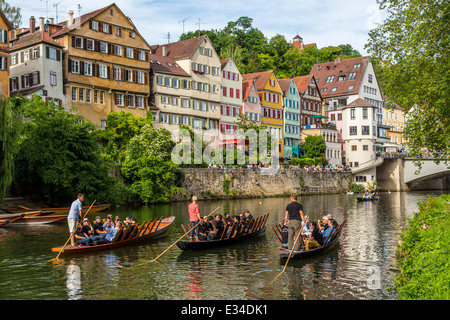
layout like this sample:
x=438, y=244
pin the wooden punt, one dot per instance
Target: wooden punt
x=284, y=252
x=32, y=220
x=361, y=199
x=60, y=210
x=244, y=230
x=146, y=231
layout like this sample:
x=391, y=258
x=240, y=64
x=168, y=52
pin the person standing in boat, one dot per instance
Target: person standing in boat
x=194, y=218
x=75, y=216
x=294, y=216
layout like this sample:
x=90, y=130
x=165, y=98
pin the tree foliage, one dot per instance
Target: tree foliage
x=411, y=49
x=10, y=122
x=11, y=12
x=314, y=146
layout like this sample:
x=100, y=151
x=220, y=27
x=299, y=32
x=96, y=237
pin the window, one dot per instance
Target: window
x=118, y=50
x=129, y=75
x=141, y=55
x=94, y=25
x=130, y=53
x=369, y=78
x=185, y=103
x=119, y=99
x=95, y=96
x=117, y=73
x=118, y=31
x=52, y=78
x=74, y=94
x=78, y=43
x=75, y=66
x=132, y=34
x=14, y=59
x=350, y=87
x=102, y=71
x=130, y=100
x=88, y=95
x=355, y=148
x=90, y=44
x=352, y=114
x=88, y=69
x=341, y=78
x=330, y=79
x=103, y=47
x=105, y=28
x=3, y=36
x=81, y=95
x=365, y=113
x=352, y=75
x=35, y=52
x=140, y=77
x=353, y=130
x=358, y=65
x=333, y=90
x=365, y=147
x=102, y=97
x=365, y=130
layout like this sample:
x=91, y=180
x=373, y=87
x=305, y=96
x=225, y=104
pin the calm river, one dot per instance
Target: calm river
x=359, y=267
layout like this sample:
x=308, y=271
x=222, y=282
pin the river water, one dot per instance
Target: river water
x=360, y=266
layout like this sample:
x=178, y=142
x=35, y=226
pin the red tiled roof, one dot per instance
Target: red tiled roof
x=165, y=65
x=261, y=78
x=32, y=38
x=359, y=103
x=246, y=87
x=181, y=49
x=336, y=68
x=302, y=83
x=284, y=85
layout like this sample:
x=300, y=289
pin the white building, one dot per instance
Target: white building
x=359, y=134
x=231, y=96
x=36, y=64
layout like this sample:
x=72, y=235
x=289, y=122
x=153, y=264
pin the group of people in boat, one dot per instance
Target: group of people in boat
x=311, y=234
x=212, y=228
x=86, y=234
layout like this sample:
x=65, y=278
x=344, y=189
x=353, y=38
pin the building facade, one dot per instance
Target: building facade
x=106, y=65
x=394, y=118
x=310, y=101
x=36, y=64
x=200, y=61
x=251, y=104
x=291, y=119
x=5, y=28
x=271, y=98
x=231, y=96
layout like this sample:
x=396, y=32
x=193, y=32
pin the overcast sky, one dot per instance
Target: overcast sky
x=324, y=22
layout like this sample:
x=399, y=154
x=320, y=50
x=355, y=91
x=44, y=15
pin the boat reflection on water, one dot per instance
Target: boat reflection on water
x=73, y=282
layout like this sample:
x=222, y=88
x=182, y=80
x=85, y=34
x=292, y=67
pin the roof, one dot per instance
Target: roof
x=302, y=83
x=260, y=78
x=29, y=39
x=162, y=64
x=336, y=68
x=82, y=19
x=180, y=50
x=359, y=103
x=224, y=62
x=246, y=88
x=285, y=84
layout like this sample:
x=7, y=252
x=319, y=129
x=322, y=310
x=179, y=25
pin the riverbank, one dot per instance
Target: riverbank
x=212, y=184
x=423, y=253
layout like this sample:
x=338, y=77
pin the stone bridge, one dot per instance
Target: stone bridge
x=404, y=175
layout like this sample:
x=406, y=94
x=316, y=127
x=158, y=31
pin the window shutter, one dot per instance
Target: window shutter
x=38, y=77
x=38, y=52
x=145, y=78
x=146, y=56
x=81, y=67
x=73, y=41
x=69, y=64
x=58, y=55
x=90, y=24
x=108, y=72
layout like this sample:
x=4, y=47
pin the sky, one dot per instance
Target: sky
x=324, y=22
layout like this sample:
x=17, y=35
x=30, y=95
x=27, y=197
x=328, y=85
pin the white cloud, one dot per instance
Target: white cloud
x=324, y=22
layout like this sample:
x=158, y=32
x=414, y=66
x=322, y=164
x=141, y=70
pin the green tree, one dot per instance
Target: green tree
x=11, y=12
x=411, y=47
x=59, y=156
x=314, y=147
x=10, y=122
x=148, y=166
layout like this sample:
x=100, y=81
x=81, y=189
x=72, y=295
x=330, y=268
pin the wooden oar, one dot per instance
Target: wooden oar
x=292, y=250
x=60, y=251
x=177, y=240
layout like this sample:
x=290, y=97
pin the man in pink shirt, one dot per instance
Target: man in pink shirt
x=194, y=218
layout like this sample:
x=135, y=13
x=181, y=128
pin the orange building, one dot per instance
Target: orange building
x=106, y=65
x=5, y=27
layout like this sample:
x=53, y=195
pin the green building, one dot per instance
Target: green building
x=291, y=118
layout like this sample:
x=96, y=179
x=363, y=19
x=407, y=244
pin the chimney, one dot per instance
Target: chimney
x=70, y=20
x=41, y=24
x=52, y=20
x=32, y=24
x=164, y=51
x=337, y=60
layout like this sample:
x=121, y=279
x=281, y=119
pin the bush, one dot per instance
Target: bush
x=424, y=251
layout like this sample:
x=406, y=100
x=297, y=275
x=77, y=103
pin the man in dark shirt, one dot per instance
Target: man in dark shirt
x=219, y=227
x=294, y=215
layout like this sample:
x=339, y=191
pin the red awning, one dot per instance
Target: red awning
x=234, y=141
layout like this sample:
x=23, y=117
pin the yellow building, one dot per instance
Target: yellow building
x=271, y=97
x=106, y=65
x=395, y=119
x=5, y=27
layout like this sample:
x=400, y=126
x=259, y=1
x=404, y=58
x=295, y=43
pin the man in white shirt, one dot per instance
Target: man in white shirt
x=74, y=216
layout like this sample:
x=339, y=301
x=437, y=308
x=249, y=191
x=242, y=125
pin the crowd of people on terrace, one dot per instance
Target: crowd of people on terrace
x=282, y=167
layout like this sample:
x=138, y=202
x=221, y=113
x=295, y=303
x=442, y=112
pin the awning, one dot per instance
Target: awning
x=319, y=117
x=234, y=142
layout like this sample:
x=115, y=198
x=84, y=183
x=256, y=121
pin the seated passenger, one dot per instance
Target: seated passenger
x=328, y=231
x=248, y=216
x=306, y=227
x=202, y=230
x=228, y=219
x=316, y=239
x=82, y=237
x=220, y=226
x=99, y=232
x=366, y=194
x=330, y=217
x=284, y=234
x=108, y=223
x=112, y=232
